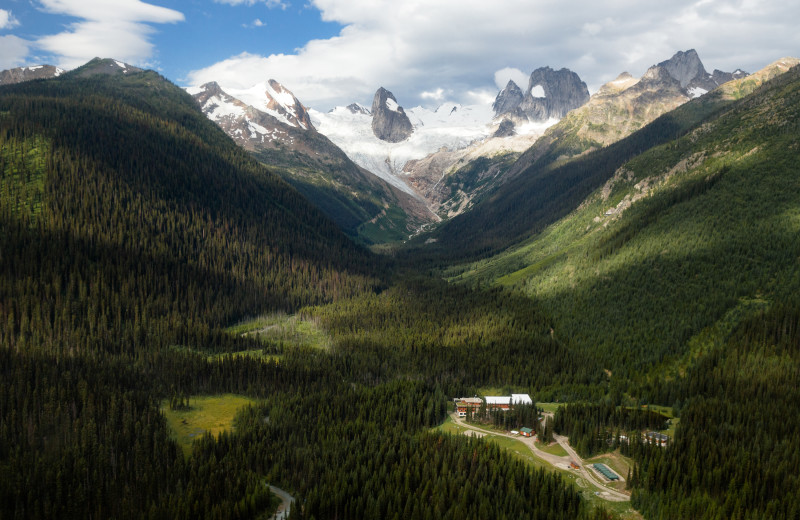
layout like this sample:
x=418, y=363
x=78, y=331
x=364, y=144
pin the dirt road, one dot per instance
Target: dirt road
x=607, y=493
x=282, y=513
x=555, y=460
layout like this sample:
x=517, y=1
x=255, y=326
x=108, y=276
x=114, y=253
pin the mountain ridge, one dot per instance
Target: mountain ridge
x=544, y=180
x=361, y=203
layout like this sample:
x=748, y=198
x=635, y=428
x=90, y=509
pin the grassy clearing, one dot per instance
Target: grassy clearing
x=618, y=464
x=450, y=426
x=519, y=450
x=552, y=449
x=22, y=178
x=283, y=330
x=549, y=407
x=666, y=411
x=212, y=414
x=210, y=355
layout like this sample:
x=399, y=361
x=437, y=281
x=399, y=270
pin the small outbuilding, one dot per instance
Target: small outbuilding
x=526, y=432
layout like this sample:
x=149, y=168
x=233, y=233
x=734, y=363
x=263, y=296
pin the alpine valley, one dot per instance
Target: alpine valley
x=218, y=302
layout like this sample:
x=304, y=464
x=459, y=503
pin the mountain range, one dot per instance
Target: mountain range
x=385, y=173
x=559, y=170
x=635, y=268
x=280, y=134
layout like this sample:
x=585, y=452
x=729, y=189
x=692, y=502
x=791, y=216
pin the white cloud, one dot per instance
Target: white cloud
x=436, y=95
x=419, y=46
x=271, y=4
x=255, y=23
x=7, y=20
x=13, y=51
x=502, y=76
x=116, y=29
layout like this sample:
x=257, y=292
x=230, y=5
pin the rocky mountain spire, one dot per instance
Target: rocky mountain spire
x=686, y=68
x=553, y=93
x=508, y=100
x=550, y=94
x=389, y=121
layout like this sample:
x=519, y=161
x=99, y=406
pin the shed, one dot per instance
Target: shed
x=526, y=432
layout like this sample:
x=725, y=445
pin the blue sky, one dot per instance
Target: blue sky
x=208, y=32
x=331, y=52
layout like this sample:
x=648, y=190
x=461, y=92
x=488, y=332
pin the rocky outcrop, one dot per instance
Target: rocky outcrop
x=389, y=121
x=720, y=77
x=686, y=67
x=355, y=108
x=282, y=101
x=553, y=93
x=508, y=101
x=550, y=95
x=619, y=108
x=506, y=129
x=20, y=74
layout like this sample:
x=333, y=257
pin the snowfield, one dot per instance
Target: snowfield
x=260, y=95
x=451, y=126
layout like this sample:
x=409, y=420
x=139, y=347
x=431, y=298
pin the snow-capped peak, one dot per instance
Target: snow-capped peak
x=276, y=100
x=356, y=108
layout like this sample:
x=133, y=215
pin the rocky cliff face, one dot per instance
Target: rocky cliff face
x=550, y=95
x=685, y=67
x=20, y=74
x=720, y=77
x=553, y=93
x=389, y=121
x=688, y=70
x=355, y=108
x=622, y=106
x=281, y=100
x=616, y=110
x=505, y=129
x=508, y=101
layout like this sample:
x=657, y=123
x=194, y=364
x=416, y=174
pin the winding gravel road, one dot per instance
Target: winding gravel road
x=605, y=493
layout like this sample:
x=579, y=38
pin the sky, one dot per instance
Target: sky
x=335, y=52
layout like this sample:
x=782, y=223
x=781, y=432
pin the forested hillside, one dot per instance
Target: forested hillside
x=130, y=224
x=679, y=275
x=133, y=233
x=136, y=240
x=737, y=451
x=679, y=237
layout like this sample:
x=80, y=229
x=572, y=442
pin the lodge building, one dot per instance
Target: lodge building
x=467, y=403
x=504, y=402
